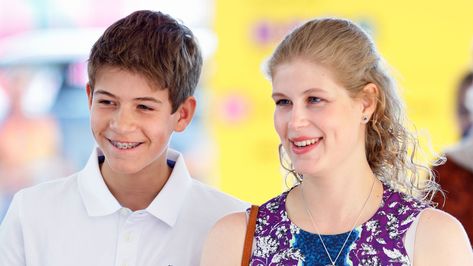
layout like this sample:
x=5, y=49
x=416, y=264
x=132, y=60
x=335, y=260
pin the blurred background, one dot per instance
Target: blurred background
x=231, y=144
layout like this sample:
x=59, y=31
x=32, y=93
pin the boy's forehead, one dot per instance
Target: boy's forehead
x=105, y=71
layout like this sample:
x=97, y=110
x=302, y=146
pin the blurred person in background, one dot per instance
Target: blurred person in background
x=360, y=199
x=29, y=143
x=464, y=108
x=456, y=175
x=135, y=202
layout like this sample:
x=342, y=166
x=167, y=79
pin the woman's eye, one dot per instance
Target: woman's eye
x=283, y=102
x=314, y=100
x=144, y=107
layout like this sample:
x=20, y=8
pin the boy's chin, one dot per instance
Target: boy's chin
x=124, y=168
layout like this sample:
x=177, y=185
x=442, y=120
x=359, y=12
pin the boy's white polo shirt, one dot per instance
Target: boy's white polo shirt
x=77, y=221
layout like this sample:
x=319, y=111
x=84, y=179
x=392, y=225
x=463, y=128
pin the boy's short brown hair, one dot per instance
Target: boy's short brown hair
x=154, y=45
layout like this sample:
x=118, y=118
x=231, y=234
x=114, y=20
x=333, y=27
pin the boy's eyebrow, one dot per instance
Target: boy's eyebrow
x=150, y=99
x=105, y=93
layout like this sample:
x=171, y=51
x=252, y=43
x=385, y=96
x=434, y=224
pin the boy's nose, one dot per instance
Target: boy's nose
x=122, y=122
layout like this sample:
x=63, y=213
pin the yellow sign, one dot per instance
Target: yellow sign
x=428, y=45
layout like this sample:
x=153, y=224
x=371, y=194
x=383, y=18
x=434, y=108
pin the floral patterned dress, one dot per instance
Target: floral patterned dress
x=379, y=241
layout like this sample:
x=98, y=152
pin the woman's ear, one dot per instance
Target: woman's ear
x=186, y=113
x=369, y=99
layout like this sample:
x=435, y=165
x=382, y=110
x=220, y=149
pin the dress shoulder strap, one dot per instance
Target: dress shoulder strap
x=250, y=231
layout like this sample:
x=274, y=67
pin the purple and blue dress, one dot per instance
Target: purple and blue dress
x=378, y=241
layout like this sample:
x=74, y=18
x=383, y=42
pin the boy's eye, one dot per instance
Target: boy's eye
x=283, y=102
x=144, y=107
x=105, y=102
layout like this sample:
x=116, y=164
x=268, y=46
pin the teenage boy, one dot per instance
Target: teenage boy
x=134, y=203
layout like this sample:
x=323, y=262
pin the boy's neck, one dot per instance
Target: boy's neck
x=136, y=191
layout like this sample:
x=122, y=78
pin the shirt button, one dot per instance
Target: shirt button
x=129, y=237
x=125, y=262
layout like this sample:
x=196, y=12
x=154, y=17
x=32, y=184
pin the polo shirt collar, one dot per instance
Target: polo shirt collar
x=99, y=201
x=169, y=202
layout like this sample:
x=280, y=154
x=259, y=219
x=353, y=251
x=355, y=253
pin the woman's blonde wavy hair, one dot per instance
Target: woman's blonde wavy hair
x=348, y=51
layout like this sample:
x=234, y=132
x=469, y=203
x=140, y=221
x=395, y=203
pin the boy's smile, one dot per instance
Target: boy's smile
x=131, y=122
x=124, y=145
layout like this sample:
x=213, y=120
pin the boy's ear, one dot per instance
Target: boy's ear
x=185, y=113
x=88, y=89
x=369, y=99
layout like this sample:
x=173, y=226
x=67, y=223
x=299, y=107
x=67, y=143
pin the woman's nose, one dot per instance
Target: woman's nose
x=298, y=118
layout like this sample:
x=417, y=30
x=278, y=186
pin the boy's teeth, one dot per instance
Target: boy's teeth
x=125, y=145
x=305, y=142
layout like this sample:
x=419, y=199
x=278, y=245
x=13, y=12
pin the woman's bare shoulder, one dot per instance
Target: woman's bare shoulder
x=224, y=244
x=441, y=240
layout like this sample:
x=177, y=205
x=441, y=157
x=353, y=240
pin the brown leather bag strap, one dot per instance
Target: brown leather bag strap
x=250, y=231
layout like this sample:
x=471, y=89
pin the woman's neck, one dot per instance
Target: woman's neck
x=336, y=199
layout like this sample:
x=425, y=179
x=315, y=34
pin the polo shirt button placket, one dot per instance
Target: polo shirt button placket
x=125, y=211
x=129, y=237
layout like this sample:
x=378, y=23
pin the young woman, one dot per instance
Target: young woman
x=360, y=199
